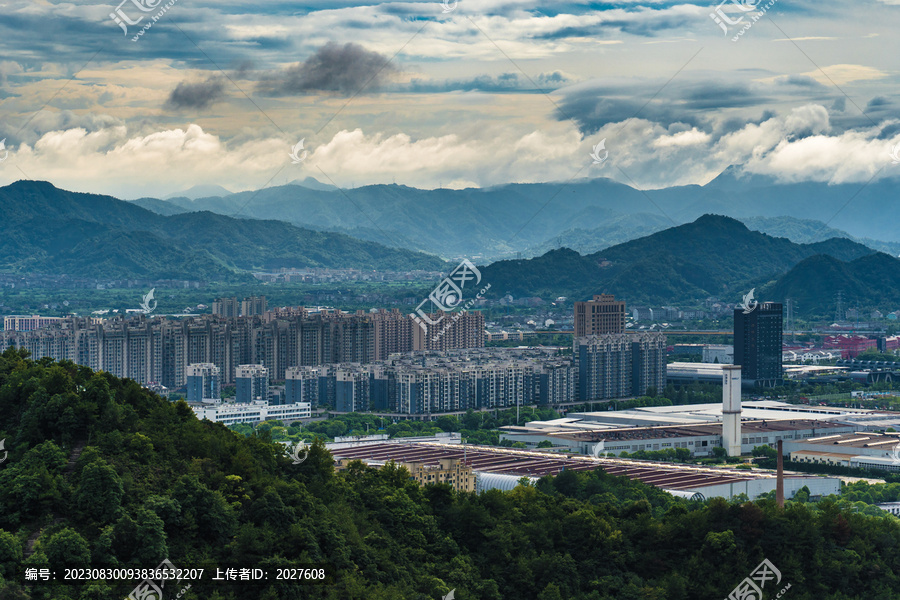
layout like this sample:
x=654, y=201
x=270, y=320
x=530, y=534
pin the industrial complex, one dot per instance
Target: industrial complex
x=502, y=468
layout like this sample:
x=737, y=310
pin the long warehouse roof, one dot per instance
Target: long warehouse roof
x=538, y=464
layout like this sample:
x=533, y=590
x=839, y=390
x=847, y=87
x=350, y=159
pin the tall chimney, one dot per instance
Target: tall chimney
x=779, y=482
x=731, y=409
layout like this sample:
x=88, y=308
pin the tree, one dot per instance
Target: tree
x=764, y=452
x=67, y=548
x=99, y=492
x=551, y=592
x=10, y=554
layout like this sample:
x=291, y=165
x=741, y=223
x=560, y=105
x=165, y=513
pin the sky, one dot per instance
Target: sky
x=151, y=97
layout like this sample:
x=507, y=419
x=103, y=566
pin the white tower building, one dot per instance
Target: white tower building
x=731, y=409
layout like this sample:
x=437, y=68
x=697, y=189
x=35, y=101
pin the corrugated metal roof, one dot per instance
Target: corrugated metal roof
x=538, y=464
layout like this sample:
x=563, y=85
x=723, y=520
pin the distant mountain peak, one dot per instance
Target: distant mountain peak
x=313, y=184
x=31, y=183
x=201, y=191
x=735, y=177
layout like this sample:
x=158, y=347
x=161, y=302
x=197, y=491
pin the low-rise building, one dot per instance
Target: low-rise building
x=448, y=470
x=721, y=354
x=252, y=412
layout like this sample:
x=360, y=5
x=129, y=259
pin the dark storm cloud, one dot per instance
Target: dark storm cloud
x=889, y=131
x=593, y=106
x=505, y=82
x=199, y=95
x=711, y=95
x=591, y=111
x=344, y=69
x=880, y=108
x=800, y=81
x=878, y=103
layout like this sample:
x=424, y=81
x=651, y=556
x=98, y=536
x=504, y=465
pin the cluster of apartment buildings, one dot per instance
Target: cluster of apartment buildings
x=666, y=313
x=159, y=349
x=603, y=367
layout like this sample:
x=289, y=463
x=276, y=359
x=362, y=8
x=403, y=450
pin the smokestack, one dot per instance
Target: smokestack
x=779, y=483
x=731, y=409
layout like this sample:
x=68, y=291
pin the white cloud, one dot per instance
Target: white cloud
x=683, y=138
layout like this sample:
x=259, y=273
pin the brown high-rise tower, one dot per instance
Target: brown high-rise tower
x=601, y=315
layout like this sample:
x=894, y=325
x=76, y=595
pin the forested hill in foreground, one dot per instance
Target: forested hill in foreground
x=153, y=482
x=713, y=256
x=44, y=229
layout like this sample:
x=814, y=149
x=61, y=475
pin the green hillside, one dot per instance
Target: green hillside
x=713, y=256
x=871, y=282
x=47, y=230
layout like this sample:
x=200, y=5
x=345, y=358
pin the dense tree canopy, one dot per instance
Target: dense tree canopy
x=152, y=482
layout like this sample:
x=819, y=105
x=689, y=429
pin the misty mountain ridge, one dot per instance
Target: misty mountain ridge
x=503, y=220
x=44, y=229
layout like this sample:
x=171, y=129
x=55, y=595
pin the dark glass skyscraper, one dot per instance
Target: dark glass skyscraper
x=757, y=343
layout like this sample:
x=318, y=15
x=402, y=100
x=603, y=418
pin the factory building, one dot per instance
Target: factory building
x=696, y=428
x=865, y=450
x=698, y=439
x=498, y=468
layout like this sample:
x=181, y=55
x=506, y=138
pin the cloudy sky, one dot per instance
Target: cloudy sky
x=120, y=99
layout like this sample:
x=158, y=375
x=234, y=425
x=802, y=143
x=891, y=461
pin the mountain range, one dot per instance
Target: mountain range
x=47, y=230
x=587, y=215
x=714, y=256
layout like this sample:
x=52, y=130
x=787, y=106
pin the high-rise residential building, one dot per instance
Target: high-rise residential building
x=603, y=314
x=449, y=330
x=25, y=323
x=302, y=384
x=351, y=389
x=226, y=307
x=619, y=365
x=203, y=384
x=251, y=383
x=757, y=343
x=393, y=332
x=253, y=306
